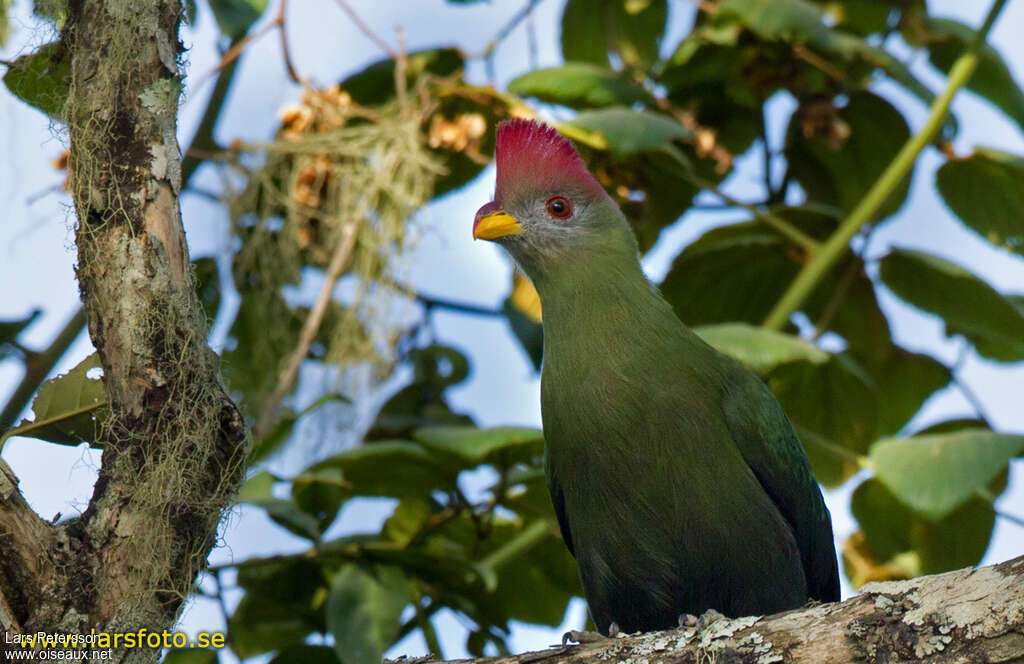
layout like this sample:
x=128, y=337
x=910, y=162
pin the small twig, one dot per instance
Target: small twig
x=286, y=53
x=832, y=306
x=507, y=29
x=809, y=244
x=234, y=52
x=365, y=29
x=965, y=390
x=472, y=309
x=1016, y=520
x=339, y=261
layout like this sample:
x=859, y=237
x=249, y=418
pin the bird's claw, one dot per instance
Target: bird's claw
x=687, y=620
x=707, y=618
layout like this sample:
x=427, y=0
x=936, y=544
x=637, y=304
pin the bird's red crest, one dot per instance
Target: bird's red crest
x=531, y=155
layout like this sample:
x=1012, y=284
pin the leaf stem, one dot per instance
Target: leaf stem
x=791, y=232
x=522, y=542
x=837, y=244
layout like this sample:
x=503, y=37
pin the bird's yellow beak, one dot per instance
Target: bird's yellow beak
x=495, y=224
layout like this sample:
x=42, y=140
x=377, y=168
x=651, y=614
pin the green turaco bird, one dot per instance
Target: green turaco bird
x=678, y=481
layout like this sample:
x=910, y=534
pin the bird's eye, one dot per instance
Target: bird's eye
x=559, y=207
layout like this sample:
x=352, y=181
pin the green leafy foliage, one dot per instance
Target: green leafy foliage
x=891, y=528
x=758, y=349
x=835, y=411
x=41, y=79
x=986, y=192
x=235, y=17
x=283, y=603
x=935, y=474
x=968, y=305
x=191, y=656
x=631, y=29
x=945, y=40
x=579, y=85
x=68, y=409
x=837, y=154
x=627, y=131
x=363, y=612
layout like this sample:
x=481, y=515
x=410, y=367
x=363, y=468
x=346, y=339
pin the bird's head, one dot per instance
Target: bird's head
x=548, y=210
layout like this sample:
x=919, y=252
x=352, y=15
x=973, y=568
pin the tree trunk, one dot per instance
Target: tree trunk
x=971, y=615
x=174, y=443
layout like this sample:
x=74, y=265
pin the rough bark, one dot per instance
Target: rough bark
x=174, y=443
x=971, y=615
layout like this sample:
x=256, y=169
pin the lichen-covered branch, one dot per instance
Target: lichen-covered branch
x=971, y=615
x=25, y=542
x=174, y=444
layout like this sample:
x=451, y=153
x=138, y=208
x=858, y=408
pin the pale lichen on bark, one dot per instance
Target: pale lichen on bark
x=964, y=616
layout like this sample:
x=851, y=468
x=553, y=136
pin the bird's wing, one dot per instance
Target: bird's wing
x=768, y=443
x=558, y=502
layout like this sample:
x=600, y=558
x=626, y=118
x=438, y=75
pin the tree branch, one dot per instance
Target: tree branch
x=174, y=443
x=971, y=615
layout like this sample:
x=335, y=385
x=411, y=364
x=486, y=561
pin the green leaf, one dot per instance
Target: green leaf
x=499, y=446
x=536, y=587
x=784, y=20
x=935, y=474
x=637, y=27
x=41, y=79
x=69, y=409
x=845, y=303
x=758, y=349
x=627, y=131
x=920, y=376
x=386, y=468
x=236, y=16
x=407, y=520
x=375, y=85
x=968, y=305
x=282, y=605
x=632, y=29
x=863, y=17
x=321, y=494
x=836, y=171
x=306, y=654
x=958, y=540
x=992, y=80
x=584, y=36
x=732, y=273
x=363, y=612
x=579, y=85
x=834, y=408
x=190, y=656
x=257, y=491
x=986, y=192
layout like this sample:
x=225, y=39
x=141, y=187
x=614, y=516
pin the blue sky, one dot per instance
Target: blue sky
x=36, y=244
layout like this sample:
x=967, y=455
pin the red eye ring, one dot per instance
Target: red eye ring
x=559, y=207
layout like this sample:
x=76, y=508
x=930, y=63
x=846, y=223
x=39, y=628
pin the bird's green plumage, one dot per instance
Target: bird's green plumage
x=679, y=483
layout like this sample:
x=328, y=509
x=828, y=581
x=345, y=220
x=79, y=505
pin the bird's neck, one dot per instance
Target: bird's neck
x=604, y=306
